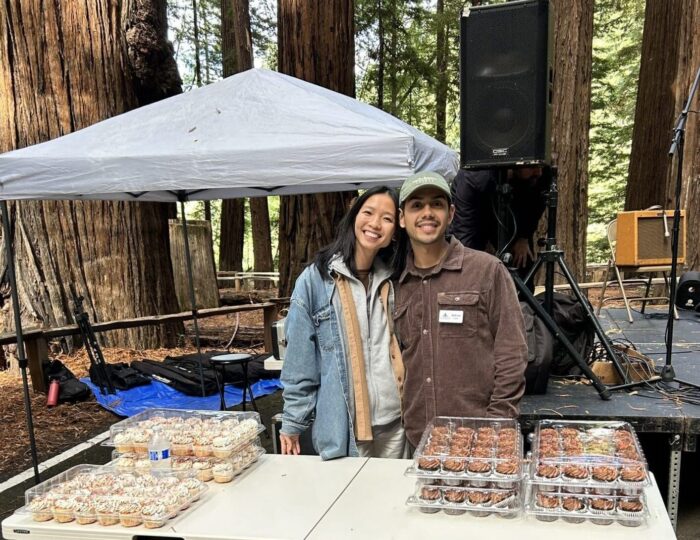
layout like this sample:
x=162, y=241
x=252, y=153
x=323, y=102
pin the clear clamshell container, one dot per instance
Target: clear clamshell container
x=191, y=433
x=202, y=467
x=432, y=496
x=586, y=506
x=102, y=494
x=604, y=457
x=485, y=451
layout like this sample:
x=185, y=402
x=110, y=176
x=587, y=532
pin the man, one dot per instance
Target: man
x=475, y=222
x=457, y=318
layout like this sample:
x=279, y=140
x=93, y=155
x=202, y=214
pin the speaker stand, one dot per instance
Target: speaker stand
x=549, y=257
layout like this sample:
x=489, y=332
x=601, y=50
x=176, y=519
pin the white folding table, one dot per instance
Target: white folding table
x=299, y=497
x=373, y=507
x=280, y=497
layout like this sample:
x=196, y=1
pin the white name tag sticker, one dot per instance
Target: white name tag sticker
x=451, y=316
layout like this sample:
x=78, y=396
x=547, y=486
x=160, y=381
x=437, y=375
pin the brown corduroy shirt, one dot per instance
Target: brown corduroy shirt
x=472, y=366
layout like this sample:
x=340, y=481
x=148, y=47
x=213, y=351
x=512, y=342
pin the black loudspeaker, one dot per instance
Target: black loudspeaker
x=506, y=84
x=688, y=292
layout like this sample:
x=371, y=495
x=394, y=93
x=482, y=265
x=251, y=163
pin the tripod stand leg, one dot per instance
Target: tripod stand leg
x=556, y=333
x=602, y=336
x=533, y=270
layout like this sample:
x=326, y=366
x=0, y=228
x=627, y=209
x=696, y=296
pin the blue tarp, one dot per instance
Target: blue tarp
x=157, y=394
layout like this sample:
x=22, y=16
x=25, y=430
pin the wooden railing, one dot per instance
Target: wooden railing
x=227, y=278
x=36, y=339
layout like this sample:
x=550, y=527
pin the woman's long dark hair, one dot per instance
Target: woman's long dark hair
x=344, y=242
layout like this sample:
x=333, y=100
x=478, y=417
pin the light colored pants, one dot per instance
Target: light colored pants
x=388, y=442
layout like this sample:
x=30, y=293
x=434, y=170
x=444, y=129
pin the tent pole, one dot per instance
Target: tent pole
x=193, y=302
x=20, y=338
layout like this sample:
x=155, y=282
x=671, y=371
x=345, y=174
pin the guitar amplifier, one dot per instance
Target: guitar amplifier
x=642, y=238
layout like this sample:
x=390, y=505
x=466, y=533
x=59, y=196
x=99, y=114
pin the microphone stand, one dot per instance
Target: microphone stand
x=667, y=372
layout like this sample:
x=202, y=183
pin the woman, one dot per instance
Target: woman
x=342, y=368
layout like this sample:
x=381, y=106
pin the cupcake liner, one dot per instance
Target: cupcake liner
x=429, y=510
x=107, y=519
x=85, y=519
x=631, y=519
x=601, y=513
x=574, y=519
x=505, y=503
x=601, y=519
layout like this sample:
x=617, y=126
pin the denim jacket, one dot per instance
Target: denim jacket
x=315, y=373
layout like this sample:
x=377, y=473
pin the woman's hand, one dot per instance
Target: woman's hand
x=289, y=444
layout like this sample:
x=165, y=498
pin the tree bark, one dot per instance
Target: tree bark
x=237, y=56
x=231, y=234
x=442, y=50
x=380, y=55
x=65, y=66
x=315, y=43
x=670, y=59
x=573, y=44
x=197, y=62
x=262, y=240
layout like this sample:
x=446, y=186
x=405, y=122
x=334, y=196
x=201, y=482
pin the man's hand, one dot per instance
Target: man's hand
x=522, y=253
x=289, y=444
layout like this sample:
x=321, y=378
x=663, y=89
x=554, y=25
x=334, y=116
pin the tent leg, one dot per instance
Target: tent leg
x=20, y=338
x=193, y=301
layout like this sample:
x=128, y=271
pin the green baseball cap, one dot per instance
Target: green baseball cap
x=420, y=180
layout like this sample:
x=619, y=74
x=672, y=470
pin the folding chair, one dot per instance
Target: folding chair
x=651, y=270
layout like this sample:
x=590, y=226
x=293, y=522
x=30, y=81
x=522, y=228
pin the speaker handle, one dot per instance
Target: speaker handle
x=663, y=215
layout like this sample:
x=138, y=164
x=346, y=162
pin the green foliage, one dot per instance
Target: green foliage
x=409, y=78
x=181, y=29
x=617, y=40
x=263, y=27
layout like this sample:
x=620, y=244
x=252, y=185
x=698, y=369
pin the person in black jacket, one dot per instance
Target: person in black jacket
x=475, y=222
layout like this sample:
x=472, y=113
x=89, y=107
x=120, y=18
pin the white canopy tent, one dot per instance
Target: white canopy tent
x=254, y=134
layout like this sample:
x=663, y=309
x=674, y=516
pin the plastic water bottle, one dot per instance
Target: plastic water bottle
x=159, y=449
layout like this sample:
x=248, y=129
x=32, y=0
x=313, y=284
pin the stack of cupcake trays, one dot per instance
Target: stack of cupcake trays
x=587, y=471
x=88, y=494
x=469, y=465
x=215, y=445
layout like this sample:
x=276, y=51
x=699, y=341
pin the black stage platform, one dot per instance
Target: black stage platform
x=645, y=409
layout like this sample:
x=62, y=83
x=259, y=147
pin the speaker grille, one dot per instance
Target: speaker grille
x=500, y=123
x=653, y=244
x=506, y=84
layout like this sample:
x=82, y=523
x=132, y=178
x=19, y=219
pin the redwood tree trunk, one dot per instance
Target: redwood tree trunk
x=231, y=234
x=442, y=49
x=65, y=66
x=573, y=43
x=237, y=56
x=262, y=240
x=670, y=59
x=316, y=43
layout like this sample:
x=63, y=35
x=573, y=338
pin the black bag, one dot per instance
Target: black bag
x=539, y=352
x=122, y=376
x=70, y=388
x=572, y=320
x=182, y=380
x=233, y=374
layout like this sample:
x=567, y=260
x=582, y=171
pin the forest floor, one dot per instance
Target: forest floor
x=58, y=428
x=63, y=427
